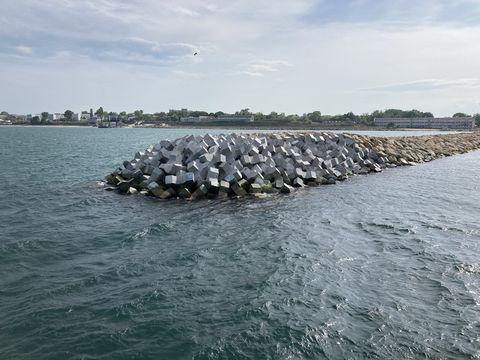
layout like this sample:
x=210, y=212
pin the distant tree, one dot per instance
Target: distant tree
x=315, y=116
x=244, y=112
x=91, y=113
x=459, y=114
x=35, y=120
x=390, y=125
x=44, y=117
x=68, y=115
x=138, y=115
x=3, y=113
x=100, y=112
x=219, y=113
x=477, y=119
x=259, y=117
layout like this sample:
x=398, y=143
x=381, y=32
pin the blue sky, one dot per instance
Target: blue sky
x=267, y=55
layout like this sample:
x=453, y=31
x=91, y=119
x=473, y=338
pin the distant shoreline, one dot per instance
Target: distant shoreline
x=259, y=128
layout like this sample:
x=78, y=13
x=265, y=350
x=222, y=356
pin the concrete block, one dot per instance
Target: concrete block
x=224, y=186
x=200, y=192
x=188, y=178
x=167, y=194
x=155, y=189
x=229, y=178
x=183, y=192
x=171, y=180
x=206, y=158
x=128, y=165
x=177, y=167
x=213, y=173
x=213, y=183
x=311, y=175
x=279, y=183
x=299, y=173
x=298, y=182
x=255, y=188
x=238, y=190
x=167, y=168
x=132, y=191
x=287, y=189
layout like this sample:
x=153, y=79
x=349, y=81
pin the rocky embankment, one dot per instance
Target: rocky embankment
x=234, y=165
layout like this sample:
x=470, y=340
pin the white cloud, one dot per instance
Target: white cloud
x=428, y=85
x=183, y=11
x=261, y=67
x=252, y=73
x=24, y=50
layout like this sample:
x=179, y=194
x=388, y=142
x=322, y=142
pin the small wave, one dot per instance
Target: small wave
x=371, y=227
x=445, y=228
x=153, y=229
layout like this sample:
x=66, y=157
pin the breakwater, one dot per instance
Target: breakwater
x=195, y=167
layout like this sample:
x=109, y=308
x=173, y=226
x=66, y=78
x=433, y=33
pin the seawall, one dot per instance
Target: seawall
x=235, y=165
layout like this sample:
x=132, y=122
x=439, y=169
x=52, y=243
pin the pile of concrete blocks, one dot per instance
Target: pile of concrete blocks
x=235, y=165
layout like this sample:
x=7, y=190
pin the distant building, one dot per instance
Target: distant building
x=56, y=117
x=235, y=118
x=426, y=123
x=84, y=116
x=220, y=118
x=198, y=119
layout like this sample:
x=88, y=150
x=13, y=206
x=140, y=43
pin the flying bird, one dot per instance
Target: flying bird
x=195, y=53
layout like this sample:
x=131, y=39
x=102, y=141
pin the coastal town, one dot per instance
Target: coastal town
x=386, y=119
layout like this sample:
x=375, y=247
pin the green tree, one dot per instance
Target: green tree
x=459, y=114
x=138, y=115
x=35, y=120
x=477, y=120
x=315, y=116
x=100, y=112
x=44, y=117
x=244, y=112
x=68, y=115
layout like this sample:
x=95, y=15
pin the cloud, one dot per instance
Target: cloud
x=459, y=12
x=261, y=67
x=24, y=50
x=428, y=85
x=179, y=10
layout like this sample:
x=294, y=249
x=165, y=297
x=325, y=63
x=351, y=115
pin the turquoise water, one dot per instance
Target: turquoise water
x=379, y=266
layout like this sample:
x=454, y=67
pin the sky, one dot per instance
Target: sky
x=292, y=56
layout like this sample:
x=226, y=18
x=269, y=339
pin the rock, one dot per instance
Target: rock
x=201, y=192
x=167, y=194
x=298, y=182
x=287, y=189
x=238, y=189
x=255, y=188
x=132, y=191
x=124, y=185
x=183, y=192
x=170, y=180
